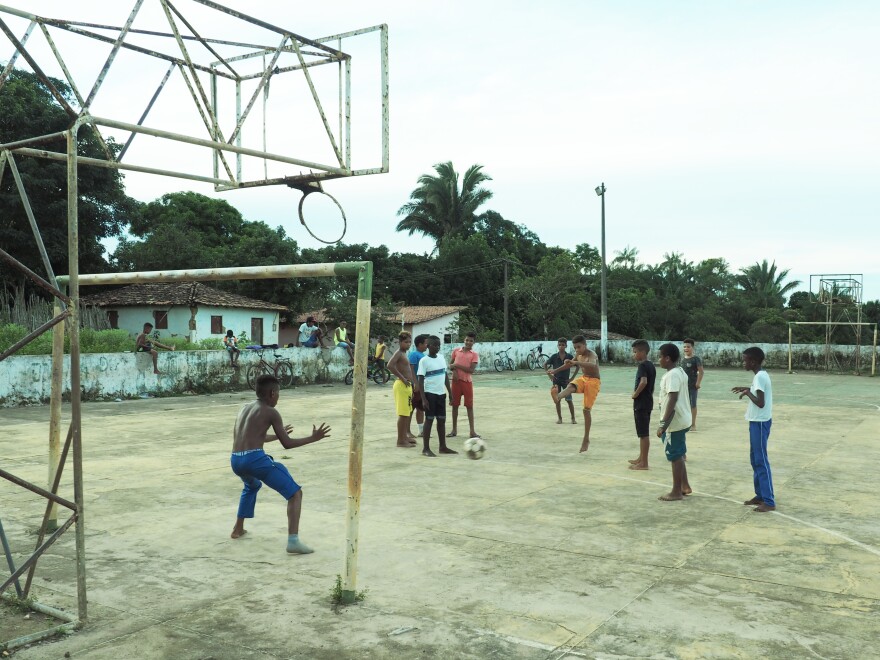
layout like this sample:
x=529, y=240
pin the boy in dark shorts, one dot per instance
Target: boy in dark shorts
x=675, y=420
x=251, y=463
x=420, y=345
x=144, y=345
x=643, y=401
x=434, y=386
x=693, y=367
x=560, y=377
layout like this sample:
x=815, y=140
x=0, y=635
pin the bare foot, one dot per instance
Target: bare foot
x=429, y=453
x=238, y=533
x=686, y=490
x=452, y=435
x=559, y=421
x=447, y=450
x=755, y=500
x=585, y=445
x=764, y=508
x=573, y=420
x=693, y=429
x=157, y=372
x=410, y=436
x=633, y=461
x=406, y=445
x=670, y=497
x=638, y=466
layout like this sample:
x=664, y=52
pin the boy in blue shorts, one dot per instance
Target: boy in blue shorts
x=251, y=463
x=675, y=420
x=760, y=416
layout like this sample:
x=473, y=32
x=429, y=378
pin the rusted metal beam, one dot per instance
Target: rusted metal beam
x=317, y=100
x=147, y=111
x=33, y=335
x=29, y=212
x=34, y=557
x=112, y=56
x=12, y=60
x=18, y=481
x=201, y=40
x=31, y=275
x=34, y=140
x=264, y=80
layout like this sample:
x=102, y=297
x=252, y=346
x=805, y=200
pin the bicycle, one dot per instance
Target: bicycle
x=537, y=359
x=378, y=376
x=504, y=361
x=282, y=369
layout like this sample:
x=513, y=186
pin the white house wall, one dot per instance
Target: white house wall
x=438, y=326
x=132, y=319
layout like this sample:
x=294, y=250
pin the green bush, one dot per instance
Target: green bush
x=11, y=333
x=105, y=341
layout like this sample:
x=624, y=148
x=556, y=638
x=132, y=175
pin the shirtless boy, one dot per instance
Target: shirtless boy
x=587, y=384
x=144, y=345
x=251, y=463
x=398, y=365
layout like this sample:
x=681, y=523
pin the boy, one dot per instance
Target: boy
x=251, y=463
x=309, y=334
x=398, y=365
x=230, y=342
x=693, y=367
x=420, y=345
x=144, y=345
x=587, y=384
x=463, y=364
x=561, y=378
x=434, y=384
x=380, y=352
x=340, y=336
x=675, y=420
x=759, y=414
x=643, y=401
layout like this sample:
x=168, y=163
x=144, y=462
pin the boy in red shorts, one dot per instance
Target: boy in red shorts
x=587, y=384
x=463, y=363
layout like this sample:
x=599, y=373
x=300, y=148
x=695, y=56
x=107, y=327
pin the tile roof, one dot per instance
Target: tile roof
x=410, y=315
x=175, y=294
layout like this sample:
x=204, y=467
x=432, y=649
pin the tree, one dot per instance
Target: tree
x=554, y=297
x=439, y=209
x=764, y=286
x=627, y=257
x=27, y=109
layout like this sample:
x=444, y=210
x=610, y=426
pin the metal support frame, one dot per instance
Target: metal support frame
x=67, y=306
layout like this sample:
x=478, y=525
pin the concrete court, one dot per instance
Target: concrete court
x=533, y=552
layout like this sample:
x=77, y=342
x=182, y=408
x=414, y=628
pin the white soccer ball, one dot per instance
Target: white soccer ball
x=474, y=448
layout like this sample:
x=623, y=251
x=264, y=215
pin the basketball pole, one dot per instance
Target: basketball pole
x=789, y=348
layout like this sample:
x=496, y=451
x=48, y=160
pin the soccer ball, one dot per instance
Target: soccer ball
x=474, y=448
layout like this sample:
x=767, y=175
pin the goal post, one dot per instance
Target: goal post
x=363, y=270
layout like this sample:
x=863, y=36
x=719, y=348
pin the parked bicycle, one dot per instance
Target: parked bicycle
x=282, y=368
x=537, y=359
x=380, y=376
x=504, y=361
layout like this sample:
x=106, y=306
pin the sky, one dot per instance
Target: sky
x=741, y=129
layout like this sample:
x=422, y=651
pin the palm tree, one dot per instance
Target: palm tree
x=437, y=208
x=627, y=257
x=764, y=285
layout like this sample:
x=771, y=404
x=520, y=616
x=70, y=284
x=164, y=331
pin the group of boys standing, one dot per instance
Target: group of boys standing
x=422, y=384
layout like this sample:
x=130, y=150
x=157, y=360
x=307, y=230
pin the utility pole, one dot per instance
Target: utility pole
x=603, y=333
x=505, y=300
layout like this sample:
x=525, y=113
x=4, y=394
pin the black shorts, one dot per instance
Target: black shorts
x=643, y=422
x=692, y=393
x=436, y=408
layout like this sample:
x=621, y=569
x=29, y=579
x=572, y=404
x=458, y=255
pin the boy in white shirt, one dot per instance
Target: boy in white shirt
x=760, y=417
x=675, y=420
x=433, y=386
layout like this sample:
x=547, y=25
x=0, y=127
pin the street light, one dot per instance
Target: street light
x=603, y=336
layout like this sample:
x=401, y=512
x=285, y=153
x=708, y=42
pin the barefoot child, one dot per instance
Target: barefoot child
x=398, y=365
x=760, y=416
x=587, y=384
x=230, y=342
x=255, y=467
x=693, y=367
x=643, y=401
x=420, y=345
x=675, y=420
x=463, y=363
x=434, y=384
x=144, y=345
x=560, y=378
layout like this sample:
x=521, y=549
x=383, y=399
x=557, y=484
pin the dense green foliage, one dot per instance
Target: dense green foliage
x=95, y=341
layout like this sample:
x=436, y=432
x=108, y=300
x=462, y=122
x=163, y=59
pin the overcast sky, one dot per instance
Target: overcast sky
x=737, y=129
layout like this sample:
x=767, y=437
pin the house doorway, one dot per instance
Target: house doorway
x=257, y=331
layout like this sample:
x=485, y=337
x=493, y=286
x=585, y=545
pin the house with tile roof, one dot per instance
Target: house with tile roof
x=189, y=309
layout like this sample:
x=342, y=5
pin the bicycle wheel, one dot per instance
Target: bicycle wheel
x=284, y=374
x=531, y=361
x=381, y=376
x=253, y=372
x=349, y=377
x=499, y=365
x=542, y=361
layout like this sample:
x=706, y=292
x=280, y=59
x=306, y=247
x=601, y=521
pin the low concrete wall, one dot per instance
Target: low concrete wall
x=27, y=379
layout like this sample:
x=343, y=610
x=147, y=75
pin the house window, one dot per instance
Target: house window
x=216, y=325
x=160, y=319
x=113, y=318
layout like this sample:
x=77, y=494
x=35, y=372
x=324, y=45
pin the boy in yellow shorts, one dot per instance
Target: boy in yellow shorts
x=398, y=365
x=587, y=383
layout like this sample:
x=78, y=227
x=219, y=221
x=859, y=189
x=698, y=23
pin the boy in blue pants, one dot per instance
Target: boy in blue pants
x=251, y=463
x=760, y=416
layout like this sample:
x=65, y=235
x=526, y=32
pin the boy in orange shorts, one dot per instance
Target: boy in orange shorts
x=587, y=383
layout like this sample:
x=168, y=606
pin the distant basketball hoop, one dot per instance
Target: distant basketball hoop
x=316, y=187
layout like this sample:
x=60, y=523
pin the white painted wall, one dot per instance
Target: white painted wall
x=438, y=326
x=132, y=319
